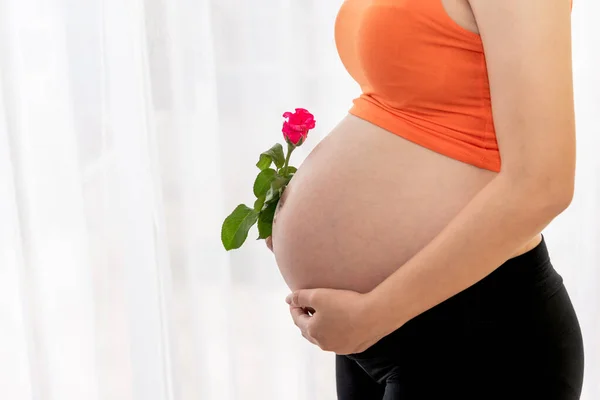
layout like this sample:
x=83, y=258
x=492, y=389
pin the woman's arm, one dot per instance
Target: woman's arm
x=528, y=52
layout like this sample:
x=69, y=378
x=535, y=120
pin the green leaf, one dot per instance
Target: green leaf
x=275, y=190
x=264, y=162
x=273, y=155
x=236, y=226
x=263, y=181
x=259, y=203
x=272, y=195
x=278, y=182
x=265, y=221
x=291, y=170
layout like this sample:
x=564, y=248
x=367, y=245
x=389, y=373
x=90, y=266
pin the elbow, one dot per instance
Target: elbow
x=548, y=201
x=544, y=193
x=560, y=188
x=559, y=199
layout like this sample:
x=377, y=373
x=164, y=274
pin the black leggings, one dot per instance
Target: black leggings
x=513, y=335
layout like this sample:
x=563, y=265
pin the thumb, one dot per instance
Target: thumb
x=302, y=298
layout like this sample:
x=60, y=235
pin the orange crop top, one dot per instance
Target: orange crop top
x=423, y=76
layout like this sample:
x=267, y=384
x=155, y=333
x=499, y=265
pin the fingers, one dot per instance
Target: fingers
x=269, y=242
x=303, y=298
x=302, y=320
x=300, y=317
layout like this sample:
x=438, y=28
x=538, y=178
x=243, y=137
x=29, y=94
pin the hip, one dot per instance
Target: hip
x=516, y=326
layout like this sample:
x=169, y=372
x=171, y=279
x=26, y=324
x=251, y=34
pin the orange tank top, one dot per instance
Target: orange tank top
x=423, y=76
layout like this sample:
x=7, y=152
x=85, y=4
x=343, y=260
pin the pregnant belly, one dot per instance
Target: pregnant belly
x=363, y=202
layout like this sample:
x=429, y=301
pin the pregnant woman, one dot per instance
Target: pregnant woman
x=411, y=235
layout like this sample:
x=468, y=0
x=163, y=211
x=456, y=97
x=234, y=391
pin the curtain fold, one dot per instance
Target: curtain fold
x=128, y=131
x=15, y=336
x=55, y=272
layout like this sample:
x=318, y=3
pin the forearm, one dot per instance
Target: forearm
x=500, y=219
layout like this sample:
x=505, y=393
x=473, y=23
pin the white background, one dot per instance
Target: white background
x=128, y=130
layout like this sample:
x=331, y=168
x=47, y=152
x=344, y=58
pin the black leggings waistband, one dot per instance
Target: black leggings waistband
x=533, y=264
x=514, y=334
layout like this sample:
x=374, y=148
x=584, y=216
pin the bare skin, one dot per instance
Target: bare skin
x=349, y=236
x=363, y=203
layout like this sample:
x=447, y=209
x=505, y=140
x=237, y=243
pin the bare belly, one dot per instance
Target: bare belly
x=364, y=202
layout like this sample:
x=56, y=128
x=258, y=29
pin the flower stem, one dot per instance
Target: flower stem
x=290, y=148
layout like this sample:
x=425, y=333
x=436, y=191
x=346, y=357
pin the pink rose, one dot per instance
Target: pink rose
x=295, y=129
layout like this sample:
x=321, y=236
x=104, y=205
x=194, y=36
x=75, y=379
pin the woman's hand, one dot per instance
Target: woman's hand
x=340, y=321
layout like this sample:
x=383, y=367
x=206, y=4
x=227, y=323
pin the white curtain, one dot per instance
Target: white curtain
x=128, y=131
